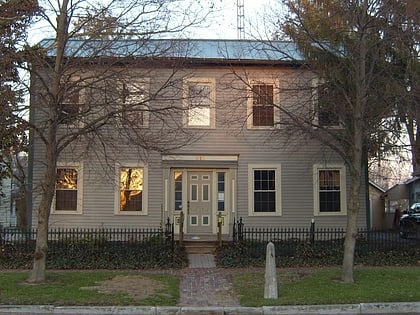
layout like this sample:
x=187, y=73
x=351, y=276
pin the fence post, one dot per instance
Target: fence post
x=181, y=229
x=219, y=227
x=312, y=232
x=240, y=230
x=234, y=235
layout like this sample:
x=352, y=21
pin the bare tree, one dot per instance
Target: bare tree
x=90, y=91
x=344, y=47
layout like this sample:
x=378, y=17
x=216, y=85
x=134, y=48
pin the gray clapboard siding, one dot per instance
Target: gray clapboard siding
x=230, y=136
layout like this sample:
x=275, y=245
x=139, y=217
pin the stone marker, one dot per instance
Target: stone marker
x=270, y=290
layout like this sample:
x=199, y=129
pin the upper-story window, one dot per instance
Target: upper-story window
x=199, y=102
x=262, y=111
x=325, y=104
x=133, y=103
x=72, y=101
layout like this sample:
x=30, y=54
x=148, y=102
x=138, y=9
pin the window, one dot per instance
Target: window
x=264, y=195
x=329, y=192
x=220, y=191
x=68, y=190
x=133, y=111
x=71, y=105
x=199, y=100
x=262, y=105
x=178, y=190
x=132, y=190
x=326, y=107
x=262, y=111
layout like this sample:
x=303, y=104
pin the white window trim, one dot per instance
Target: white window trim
x=79, y=210
x=277, y=169
x=276, y=101
x=200, y=80
x=117, y=211
x=343, y=190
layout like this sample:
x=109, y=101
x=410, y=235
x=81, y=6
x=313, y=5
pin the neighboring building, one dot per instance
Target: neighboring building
x=379, y=218
x=400, y=197
x=236, y=166
x=12, y=197
x=7, y=213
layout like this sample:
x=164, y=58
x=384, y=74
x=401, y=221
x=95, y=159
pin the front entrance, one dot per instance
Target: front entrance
x=199, y=218
x=203, y=197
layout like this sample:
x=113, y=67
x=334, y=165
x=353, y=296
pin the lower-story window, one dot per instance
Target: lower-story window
x=132, y=195
x=329, y=190
x=68, y=189
x=264, y=189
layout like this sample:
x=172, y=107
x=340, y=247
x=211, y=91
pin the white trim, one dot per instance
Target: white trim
x=276, y=102
x=277, y=169
x=79, y=210
x=181, y=157
x=165, y=195
x=118, y=166
x=343, y=190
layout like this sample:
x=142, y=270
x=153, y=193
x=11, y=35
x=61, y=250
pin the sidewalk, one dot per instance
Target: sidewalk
x=208, y=290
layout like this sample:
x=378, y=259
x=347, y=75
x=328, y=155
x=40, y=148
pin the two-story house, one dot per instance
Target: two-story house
x=223, y=101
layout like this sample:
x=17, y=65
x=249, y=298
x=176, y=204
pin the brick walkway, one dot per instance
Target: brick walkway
x=202, y=284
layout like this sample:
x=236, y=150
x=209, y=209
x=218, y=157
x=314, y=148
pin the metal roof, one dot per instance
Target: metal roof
x=242, y=50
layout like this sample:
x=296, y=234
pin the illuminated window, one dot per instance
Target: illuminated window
x=131, y=189
x=68, y=187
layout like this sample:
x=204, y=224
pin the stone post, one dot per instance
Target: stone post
x=270, y=290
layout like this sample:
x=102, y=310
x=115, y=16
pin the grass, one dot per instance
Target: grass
x=295, y=287
x=69, y=288
x=322, y=286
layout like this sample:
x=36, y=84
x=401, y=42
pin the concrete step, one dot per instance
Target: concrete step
x=200, y=247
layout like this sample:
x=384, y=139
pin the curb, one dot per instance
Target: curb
x=356, y=309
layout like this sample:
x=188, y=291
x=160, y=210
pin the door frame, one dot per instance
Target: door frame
x=227, y=197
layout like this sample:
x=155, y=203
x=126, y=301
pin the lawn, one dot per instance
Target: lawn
x=322, y=286
x=295, y=287
x=90, y=288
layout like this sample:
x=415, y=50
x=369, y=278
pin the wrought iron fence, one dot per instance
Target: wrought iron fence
x=289, y=240
x=74, y=247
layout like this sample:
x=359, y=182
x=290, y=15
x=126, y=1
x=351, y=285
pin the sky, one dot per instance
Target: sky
x=223, y=25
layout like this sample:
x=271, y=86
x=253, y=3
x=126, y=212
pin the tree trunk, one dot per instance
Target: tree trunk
x=38, y=273
x=351, y=231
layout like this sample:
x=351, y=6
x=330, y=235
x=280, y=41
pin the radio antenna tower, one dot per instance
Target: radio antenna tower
x=240, y=18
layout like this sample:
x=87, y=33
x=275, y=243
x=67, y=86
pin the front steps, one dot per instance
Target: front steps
x=200, y=246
